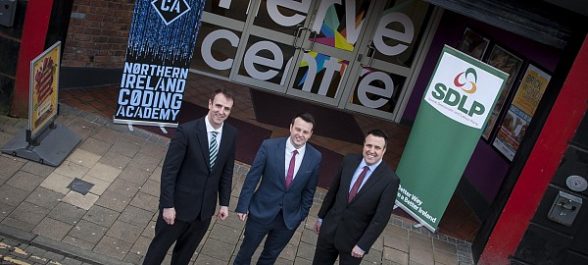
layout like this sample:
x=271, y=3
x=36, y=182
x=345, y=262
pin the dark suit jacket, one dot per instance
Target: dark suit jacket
x=187, y=182
x=361, y=221
x=265, y=203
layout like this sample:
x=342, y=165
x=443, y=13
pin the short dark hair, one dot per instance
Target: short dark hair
x=379, y=133
x=228, y=94
x=307, y=117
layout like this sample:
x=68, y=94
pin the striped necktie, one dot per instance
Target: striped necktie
x=213, y=148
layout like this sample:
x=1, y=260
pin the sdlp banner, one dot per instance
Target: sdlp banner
x=448, y=125
x=161, y=40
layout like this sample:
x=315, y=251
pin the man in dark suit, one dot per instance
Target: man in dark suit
x=288, y=169
x=357, y=206
x=198, y=166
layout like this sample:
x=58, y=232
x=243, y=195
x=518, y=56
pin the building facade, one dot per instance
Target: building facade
x=375, y=58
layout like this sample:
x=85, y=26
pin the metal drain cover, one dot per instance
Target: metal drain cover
x=80, y=186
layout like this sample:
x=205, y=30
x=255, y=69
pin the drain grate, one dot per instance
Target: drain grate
x=80, y=186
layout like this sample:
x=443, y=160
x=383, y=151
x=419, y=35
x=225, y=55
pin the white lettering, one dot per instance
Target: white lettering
x=280, y=19
x=206, y=49
x=382, y=31
x=251, y=58
x=364, y=87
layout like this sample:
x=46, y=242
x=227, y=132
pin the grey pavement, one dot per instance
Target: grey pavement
x=43, y=221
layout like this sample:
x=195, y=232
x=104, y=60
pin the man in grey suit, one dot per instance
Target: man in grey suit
x=198, y=167
x=357, y=206
x=288, y=169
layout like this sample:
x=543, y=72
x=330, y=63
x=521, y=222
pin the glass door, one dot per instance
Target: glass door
x=388, y=65
x=328, y=47
x=270, y=43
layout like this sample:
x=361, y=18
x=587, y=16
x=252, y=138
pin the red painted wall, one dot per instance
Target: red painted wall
x=32, y=44
x=560, y=127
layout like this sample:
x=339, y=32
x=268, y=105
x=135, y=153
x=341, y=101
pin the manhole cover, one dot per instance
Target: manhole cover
x=80, y=186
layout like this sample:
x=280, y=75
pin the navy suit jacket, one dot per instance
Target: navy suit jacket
x=265, y=203
x=362, y=220
x=187, y=182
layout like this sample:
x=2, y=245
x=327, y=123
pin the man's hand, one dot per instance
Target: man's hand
x=242, y=216
x=357, y=252
x=223, y=213
x=317, y=226
x=169, y=215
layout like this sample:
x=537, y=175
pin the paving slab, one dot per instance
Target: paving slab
x=67, y=213
x=84, y=201
x=136, y=216
x=101, y=216
x=52, y=229
x=25, y=181
x=12, y=195
x=87, y=231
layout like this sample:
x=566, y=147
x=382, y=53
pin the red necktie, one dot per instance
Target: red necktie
x=290, y=174
x=357, y=184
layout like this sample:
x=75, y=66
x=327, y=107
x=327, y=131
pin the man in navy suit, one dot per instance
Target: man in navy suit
x=357, y=206
x=288, y=169
x=198, y=167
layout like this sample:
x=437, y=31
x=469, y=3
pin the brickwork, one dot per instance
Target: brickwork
x=98, y=33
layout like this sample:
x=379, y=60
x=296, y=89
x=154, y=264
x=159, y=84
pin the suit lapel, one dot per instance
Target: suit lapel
x=304, y=166
x=346, y=179
x=281, y=161
x=372, y=180
x=224, y=144
x=202, y=139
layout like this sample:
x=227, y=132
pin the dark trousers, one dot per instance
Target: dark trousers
x=278, y=236
x=187, y=236
x=326, y=253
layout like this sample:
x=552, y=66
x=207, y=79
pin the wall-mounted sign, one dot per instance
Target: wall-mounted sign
x=519, y=115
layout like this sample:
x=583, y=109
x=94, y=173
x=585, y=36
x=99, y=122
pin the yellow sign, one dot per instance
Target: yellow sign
x=44, y=82
x=531, y=90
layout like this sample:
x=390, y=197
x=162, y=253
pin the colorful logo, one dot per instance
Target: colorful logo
x=466, y=81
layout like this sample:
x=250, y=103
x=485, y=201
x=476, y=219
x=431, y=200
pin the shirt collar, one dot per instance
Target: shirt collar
x=372, y=167
x=290, y=147
x=209, y=127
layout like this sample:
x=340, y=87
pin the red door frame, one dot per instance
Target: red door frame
x=32, y=43
x=560, y=127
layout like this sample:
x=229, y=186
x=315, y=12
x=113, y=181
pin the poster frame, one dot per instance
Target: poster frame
x=530, y=68
x=36, y=125
x=498, y=113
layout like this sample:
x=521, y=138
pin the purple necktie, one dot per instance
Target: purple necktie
x=357, y=184
x=290, y=173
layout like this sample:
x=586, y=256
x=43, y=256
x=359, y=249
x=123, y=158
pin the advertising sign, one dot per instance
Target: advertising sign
x=519, y=115
x=44, y=83
x=455, y=108
x=161, y=41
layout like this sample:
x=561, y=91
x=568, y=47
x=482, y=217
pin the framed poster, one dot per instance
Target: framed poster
x=473, y=44
x=510, y=64
x=44, y=82
x=525, y=102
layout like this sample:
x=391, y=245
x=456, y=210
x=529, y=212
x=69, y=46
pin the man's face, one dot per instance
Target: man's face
x=300, y=132
x=219, y=109
x=374, y=148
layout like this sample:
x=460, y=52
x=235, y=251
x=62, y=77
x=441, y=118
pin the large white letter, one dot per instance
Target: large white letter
x=364, y=87
x=206, y=49
x=321, y=13
x=251, y=58
x=406, y=36
x=310, y=73
x=280, y=19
